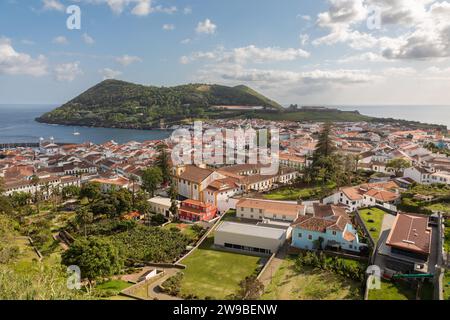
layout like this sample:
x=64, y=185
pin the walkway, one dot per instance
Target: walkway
x=274, y=265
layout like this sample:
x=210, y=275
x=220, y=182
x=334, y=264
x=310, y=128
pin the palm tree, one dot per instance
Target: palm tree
x=35, y=182
x=56, y=193
x=133, y=180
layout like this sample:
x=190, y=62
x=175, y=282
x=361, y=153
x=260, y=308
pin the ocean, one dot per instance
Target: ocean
x=17, y=124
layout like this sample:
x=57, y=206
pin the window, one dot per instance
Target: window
x=251, y=210
x=299, y=234
x=260, y=210
x=242, y=208
x=309, y=237
x=334, y=233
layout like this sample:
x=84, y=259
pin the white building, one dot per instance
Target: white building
x=257, y=209
x=161, y=205
x=248, y=237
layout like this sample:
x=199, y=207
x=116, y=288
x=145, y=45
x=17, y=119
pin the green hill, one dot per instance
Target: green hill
x=120, y=104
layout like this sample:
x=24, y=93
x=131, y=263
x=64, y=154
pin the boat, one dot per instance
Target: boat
x=76, y=133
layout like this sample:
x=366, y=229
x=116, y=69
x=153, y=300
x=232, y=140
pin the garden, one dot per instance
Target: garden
x=392, y=291
x=310, y=283
x=373, y=219
x=294, y=194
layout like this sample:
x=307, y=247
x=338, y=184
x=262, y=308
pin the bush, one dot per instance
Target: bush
x=370, y=221
x=172, y=286
x=373, y=229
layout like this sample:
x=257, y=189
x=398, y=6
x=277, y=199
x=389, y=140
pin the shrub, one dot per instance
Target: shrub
x=172, y=285
x=370, y=221
x=373, y=229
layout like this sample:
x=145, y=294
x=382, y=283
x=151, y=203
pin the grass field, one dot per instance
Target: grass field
x=116, y=285
x=376, y=215
x=310, y=284
x=446, y=285
x=447, y=236
x=392, y=291
x=214, y=273
x=293, y=194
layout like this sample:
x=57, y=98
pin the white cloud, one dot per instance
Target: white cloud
x=304, y=38
x=363, y=57
x=168, y=27
x=187, y=10
x=60, y=40
x=17, y=63
x=87, y=39
x=108, y=73
x=206, y=27
x=138, y=7
x=52, y=5
x=126, y=60
x=249, y=54
x=304, y=17
x=422, y=27
x=185, y=41
x=68, y=71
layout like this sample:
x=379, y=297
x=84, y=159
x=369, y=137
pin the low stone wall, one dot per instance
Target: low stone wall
x=361, y=223
x=266, y=266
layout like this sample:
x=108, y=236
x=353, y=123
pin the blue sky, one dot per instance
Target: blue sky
x=295, y=51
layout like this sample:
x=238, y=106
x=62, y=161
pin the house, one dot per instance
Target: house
x=418, y=174
x=194, y=211
x=408, y=245
x=193, y=180
x=258, y=209
x=133, y=216
x=252, y=238
x=329, y=226
x=220, y=193
x=115, y=183
x=385, y=194
x=161, y=205
x=440, y=177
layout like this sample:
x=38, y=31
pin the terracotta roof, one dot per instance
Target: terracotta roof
x=195, y=174
x=277, y=207
x=410, y=232
x=352, y=193
x=312, y=223
x=383, y=195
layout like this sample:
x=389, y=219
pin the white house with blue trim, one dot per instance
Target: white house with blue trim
x=328, y=226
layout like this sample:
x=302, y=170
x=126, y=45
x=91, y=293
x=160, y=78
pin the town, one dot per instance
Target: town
x=355, y=210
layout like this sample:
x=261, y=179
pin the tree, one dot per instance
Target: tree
x=20, y=199
x=69, y=192
x=94, y=256
x=83, y=218
x=173, y=193
x=91, y=191
x=162, y=161
x=151, y=180
x=35, y=181
x=133, y=180
x=325, y=145
x=250, y=288
x=398, y=165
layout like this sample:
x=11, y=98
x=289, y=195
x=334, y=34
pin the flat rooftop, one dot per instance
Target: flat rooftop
x=251, y=230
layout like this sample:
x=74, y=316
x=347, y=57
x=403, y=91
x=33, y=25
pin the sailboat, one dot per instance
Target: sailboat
x=75, y=133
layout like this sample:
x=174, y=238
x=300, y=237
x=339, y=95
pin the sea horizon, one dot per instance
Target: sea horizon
x=18, y=125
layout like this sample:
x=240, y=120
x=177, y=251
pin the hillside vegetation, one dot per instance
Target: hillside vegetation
x=114, y=103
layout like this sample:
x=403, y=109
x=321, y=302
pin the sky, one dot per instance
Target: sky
x=321, y=52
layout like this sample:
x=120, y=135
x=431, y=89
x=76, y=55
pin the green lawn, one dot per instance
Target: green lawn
x=214, y=273
x=310, y=284
x=293, y=194
x=447, y=236
x=375, y=216
x=392, y=291
x=446, y=285
x=115, y=285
